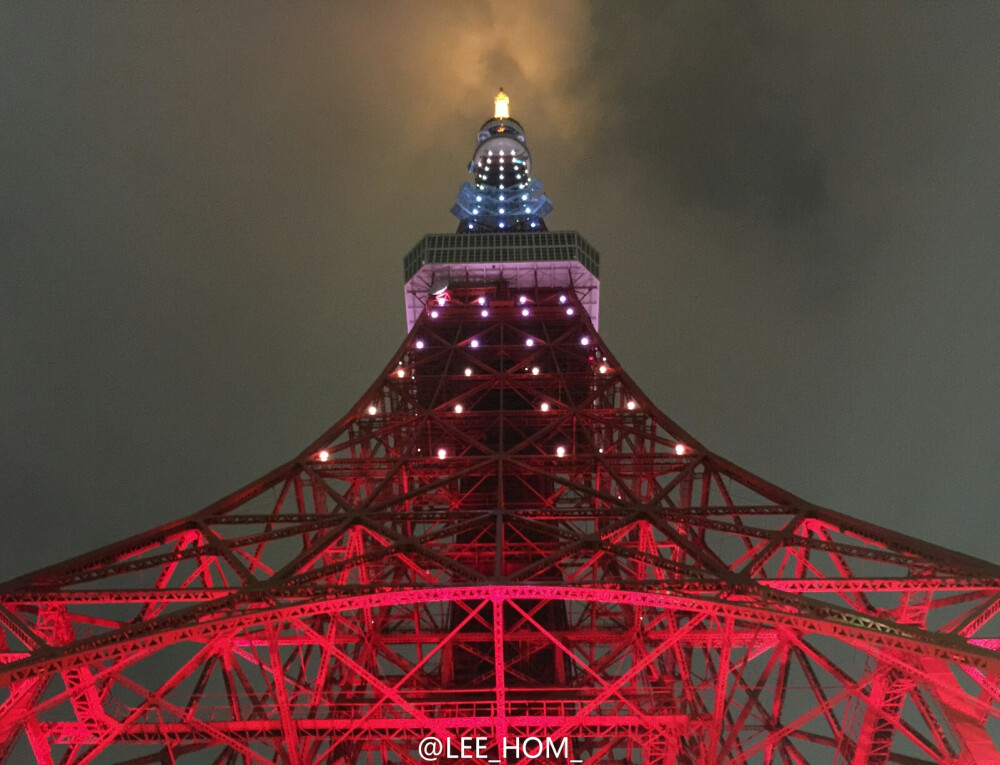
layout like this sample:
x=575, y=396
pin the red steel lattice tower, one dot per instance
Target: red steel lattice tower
x=504, y=538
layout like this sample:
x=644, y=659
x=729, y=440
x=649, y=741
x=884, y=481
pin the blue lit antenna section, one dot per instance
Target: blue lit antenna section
x=502, y=196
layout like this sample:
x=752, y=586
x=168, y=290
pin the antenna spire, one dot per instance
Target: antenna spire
x=502, y=196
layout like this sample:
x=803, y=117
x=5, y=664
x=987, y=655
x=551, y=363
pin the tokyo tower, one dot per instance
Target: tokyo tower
x=505, y=553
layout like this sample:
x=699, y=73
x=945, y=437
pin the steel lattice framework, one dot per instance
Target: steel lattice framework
x=505, y=538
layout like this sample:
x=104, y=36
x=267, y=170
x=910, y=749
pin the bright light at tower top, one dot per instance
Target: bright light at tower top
x=501, y=106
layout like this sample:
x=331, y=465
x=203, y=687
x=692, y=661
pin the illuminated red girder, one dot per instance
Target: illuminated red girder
x=639, y=595
x=505, y=538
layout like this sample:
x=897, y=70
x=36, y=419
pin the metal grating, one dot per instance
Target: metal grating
x=518, y=247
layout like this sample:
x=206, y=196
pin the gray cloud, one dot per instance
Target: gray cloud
x=203, y=212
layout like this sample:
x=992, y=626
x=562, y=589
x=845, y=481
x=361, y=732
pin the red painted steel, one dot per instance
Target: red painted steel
x=584, y=570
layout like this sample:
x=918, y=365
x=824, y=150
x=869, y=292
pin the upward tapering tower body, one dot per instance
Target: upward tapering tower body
x=504, y=552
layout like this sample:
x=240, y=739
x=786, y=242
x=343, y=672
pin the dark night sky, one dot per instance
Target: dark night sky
x=204, y=208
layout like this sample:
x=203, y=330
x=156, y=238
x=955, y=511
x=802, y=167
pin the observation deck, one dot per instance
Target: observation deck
x=515, y=261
